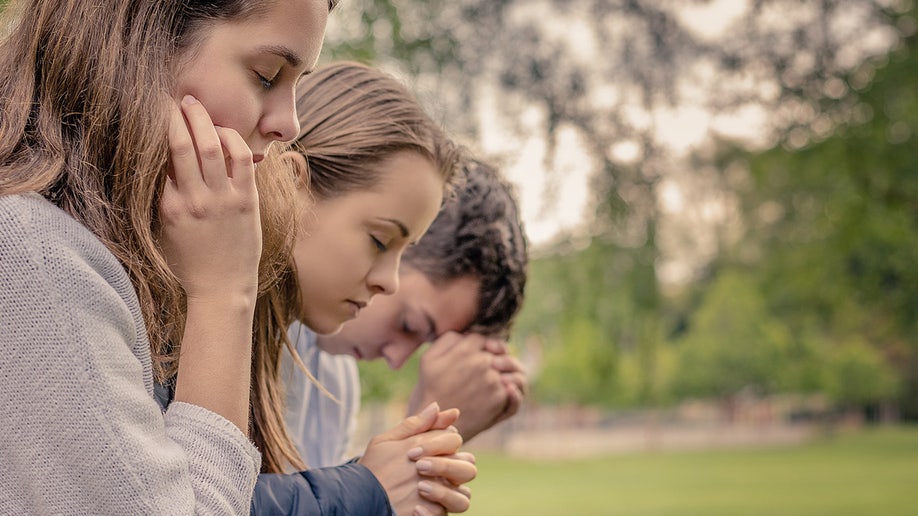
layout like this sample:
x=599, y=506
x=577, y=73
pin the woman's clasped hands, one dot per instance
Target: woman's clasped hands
x=419, y=464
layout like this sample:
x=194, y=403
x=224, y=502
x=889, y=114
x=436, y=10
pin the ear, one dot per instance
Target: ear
x=300, y=167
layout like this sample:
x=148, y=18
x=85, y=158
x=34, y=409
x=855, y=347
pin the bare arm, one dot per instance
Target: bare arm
x=212, y=239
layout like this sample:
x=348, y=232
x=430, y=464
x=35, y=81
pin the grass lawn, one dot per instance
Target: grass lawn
x=874, y=472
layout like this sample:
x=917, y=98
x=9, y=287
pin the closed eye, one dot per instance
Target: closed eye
x=265, y=82
x=378, y=243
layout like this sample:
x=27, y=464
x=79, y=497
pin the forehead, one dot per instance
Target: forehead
x=295, y=26
x=407, y=196
x=451, y=305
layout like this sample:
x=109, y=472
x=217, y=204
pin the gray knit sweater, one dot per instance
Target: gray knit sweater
x=80, y=432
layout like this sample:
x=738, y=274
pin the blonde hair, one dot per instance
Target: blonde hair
x=352, y=118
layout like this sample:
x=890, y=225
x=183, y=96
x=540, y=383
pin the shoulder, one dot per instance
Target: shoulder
x=31, y=226
x=62, y=282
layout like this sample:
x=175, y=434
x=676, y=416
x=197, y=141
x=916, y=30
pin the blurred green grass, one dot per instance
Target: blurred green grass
x=870, y=472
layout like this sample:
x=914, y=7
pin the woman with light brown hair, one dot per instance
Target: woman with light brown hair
x=372, y=169
x=130, y=235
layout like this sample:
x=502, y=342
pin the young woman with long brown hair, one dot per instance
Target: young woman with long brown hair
x=131, y=234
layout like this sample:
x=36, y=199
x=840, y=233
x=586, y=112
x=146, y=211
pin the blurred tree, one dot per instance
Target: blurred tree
x=858, y=376
x=378, y=383
x=582, y=371
x=832, y=229
x=615, y=73
x=733, y=344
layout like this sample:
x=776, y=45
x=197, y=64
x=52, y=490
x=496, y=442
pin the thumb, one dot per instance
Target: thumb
x=413, y=425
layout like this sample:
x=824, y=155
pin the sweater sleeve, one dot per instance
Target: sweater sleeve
x=81, y=432
x=346, y=489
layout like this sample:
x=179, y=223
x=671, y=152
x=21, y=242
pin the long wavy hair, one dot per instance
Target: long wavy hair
x=352, y=118
x=84, y=93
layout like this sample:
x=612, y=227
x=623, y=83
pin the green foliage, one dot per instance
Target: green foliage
x=581, y=306
x=857, y=375
x=582, y=371
x=379, y=383
x=732, y=344
x=833, y=232
x=821, y=286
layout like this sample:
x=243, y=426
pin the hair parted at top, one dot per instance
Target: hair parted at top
x=85, y=93
x=354, y=117
x=85, y=89
x=478, y=233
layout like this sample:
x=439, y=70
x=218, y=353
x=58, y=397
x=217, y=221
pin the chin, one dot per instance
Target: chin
x=322, y=325
x=329, y=328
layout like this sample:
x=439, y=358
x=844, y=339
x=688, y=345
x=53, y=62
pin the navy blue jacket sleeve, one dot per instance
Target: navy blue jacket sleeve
x=348, y=489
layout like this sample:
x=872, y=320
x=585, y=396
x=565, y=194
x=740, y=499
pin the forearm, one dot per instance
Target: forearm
x=215, y=364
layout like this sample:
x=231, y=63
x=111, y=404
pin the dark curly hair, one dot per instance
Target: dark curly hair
x=478, y=233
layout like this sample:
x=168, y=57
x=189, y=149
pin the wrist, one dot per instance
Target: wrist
x=231, y=306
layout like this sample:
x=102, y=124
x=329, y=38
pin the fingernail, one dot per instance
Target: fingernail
x=425, y=487
x=415, y=452
x=189, y=100
x=424, y=466
x=452, y=429
x=430, y=410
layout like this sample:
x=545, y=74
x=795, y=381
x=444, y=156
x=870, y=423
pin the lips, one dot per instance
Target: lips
x=357, y=306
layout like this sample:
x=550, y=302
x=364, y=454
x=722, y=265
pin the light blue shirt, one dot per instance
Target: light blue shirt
x=320, y=427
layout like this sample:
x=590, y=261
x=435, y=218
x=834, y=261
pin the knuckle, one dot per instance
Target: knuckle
x=211, y=152
x=170, y=211
x=181, y=147
x=242, y=156
x=246, y=206
x=197, y=208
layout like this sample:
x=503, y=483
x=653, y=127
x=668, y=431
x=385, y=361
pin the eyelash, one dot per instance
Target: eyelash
x=378, y=243
x=265, y=82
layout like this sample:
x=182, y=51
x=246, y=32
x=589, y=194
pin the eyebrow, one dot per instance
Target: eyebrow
x=403, y=229
x=281, y=51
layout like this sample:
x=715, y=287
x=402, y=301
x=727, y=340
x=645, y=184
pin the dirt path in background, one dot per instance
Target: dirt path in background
x=579, y=443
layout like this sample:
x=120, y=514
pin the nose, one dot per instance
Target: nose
x=383, y=277
x=280, y=122
x=396, y=352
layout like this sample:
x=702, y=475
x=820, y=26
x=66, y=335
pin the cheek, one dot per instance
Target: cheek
x=325, y=272
x=356, y=257
x=307, y=262
x=238, y=112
